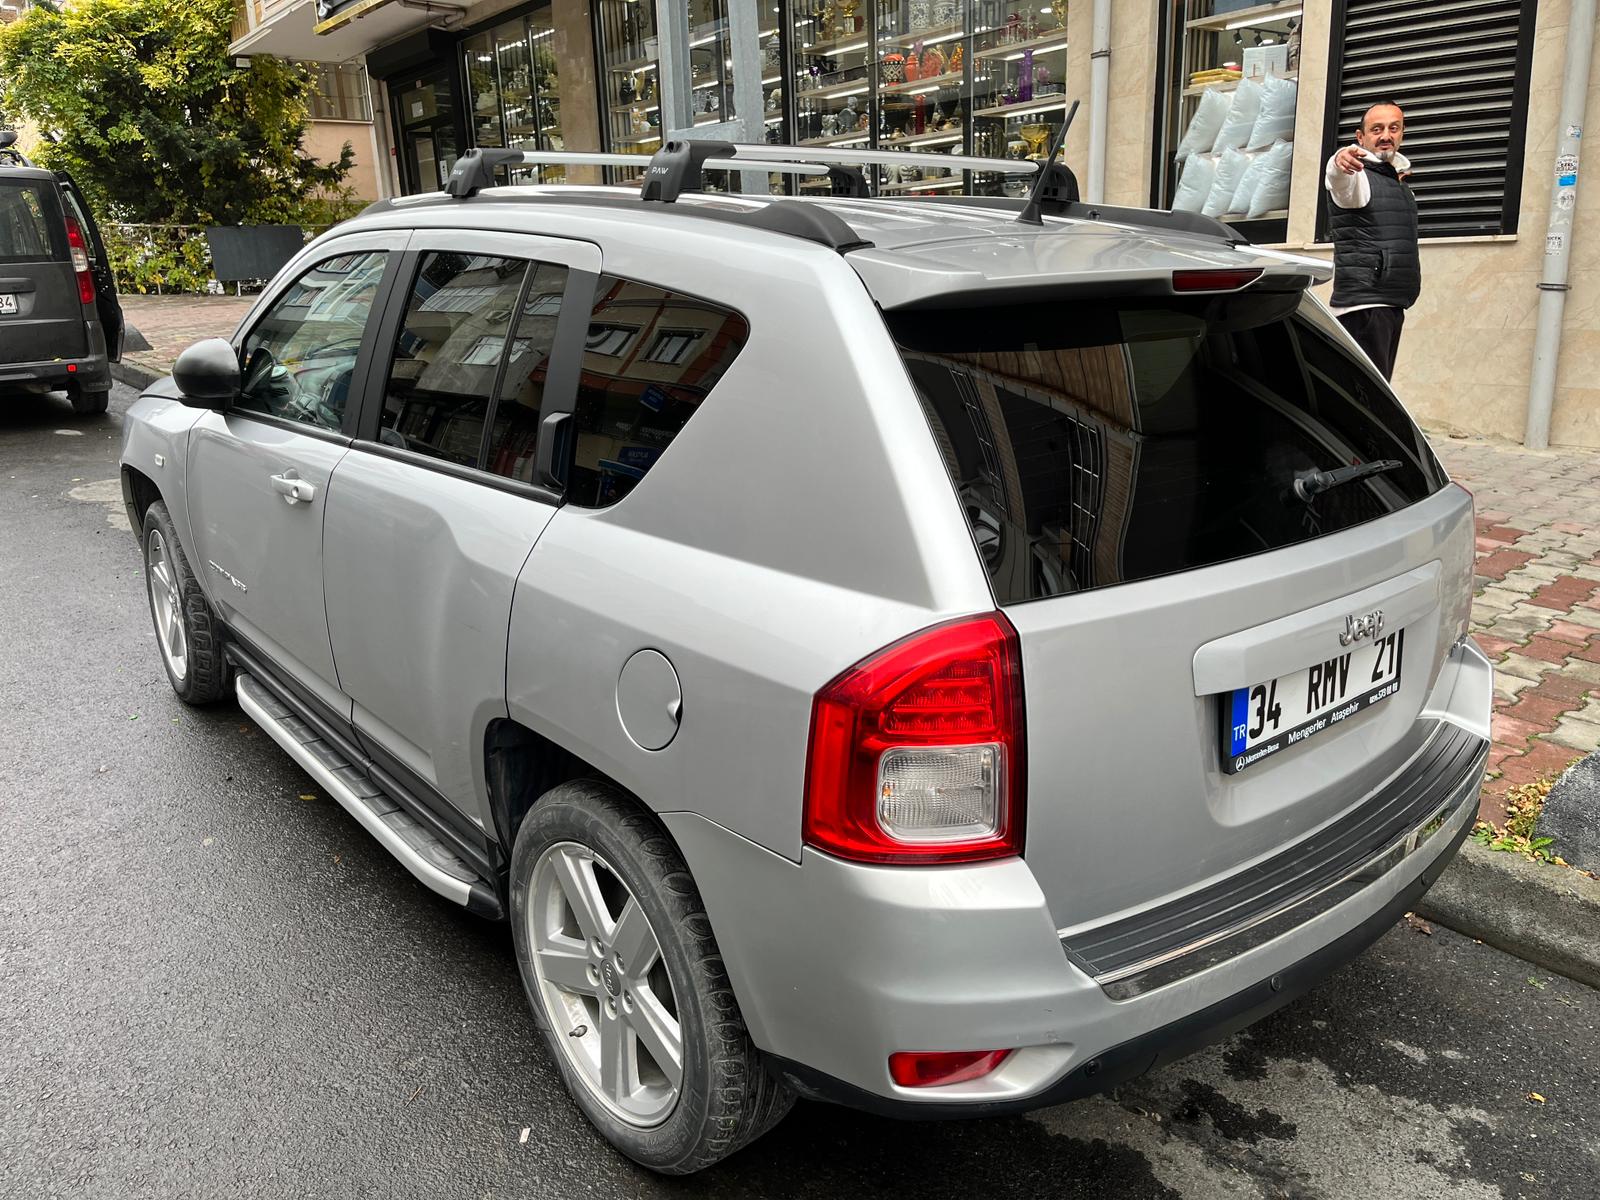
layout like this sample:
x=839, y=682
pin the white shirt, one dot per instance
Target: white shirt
x=1355, y=191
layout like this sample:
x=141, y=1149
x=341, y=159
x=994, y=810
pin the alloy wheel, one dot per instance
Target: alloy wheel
x=166, y=605
x=604, y=985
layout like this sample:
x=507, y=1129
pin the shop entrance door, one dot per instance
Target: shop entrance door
x=425, y=117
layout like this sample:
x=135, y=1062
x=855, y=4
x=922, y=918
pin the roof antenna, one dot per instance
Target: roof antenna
x=1052, y=176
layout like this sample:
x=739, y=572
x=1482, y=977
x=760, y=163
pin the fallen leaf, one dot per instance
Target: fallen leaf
x=308, y=795
x=1535, y=1098
x=1538, y=983
x=1418, y=924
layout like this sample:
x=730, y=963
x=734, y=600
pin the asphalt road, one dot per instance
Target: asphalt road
x=212, y=985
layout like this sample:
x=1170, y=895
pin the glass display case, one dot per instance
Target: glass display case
x=630, y=81
x=831, y=77
x=924, y=99
x=1019, y=68
x=1216, y=139
x=512, y=91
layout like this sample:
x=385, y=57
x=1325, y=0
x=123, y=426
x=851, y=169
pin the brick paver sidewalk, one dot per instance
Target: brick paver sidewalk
x=169, y=323
x=1537, y=609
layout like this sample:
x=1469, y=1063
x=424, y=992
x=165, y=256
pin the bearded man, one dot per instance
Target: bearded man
x=1377, y=269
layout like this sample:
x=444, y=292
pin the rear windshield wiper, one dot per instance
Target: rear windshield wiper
x=1310, y=484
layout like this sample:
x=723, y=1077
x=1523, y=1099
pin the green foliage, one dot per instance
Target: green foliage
x=148, y=113
x=150, y=259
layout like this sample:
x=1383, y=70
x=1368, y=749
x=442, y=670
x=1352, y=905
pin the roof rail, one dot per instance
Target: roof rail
x=475, y=169
x=679, y=165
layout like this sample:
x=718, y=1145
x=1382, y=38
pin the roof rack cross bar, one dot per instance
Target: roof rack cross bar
x=677, y=168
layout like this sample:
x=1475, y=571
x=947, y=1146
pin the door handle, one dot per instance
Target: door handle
x=293, y=489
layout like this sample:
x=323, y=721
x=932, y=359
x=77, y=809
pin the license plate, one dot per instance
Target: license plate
x=8, y=303
x=1260, y=721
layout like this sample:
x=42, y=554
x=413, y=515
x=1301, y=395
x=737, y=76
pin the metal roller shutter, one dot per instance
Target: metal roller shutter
x=1457, y=68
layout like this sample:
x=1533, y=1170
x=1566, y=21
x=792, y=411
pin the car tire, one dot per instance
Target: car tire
x=187, y=632
x=88, y=404
x=726, y=1096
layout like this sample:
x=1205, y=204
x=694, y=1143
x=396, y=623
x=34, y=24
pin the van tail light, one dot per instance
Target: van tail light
x=916, y=752
x=80, y=260
x=914, y=1069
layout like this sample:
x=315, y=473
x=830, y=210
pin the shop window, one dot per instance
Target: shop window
x=448, y=354
x=629, y=50
x=512, y=91
x=1226, y=115
x=631, y=405
x=339, y=92
x=1461, y=73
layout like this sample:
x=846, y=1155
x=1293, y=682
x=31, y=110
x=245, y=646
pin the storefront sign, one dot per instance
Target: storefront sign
x=331, y=14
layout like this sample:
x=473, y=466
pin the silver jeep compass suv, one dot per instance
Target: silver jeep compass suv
x=941, y=657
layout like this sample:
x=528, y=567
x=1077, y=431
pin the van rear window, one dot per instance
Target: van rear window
x=1093, y=444
x=30, y=223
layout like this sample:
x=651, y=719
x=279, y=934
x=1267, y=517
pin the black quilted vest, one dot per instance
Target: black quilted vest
x=1375, y=259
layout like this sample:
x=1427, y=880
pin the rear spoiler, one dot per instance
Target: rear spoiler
x=901, y=286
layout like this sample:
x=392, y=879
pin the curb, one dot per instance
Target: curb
x=133, y=374
x=1548, y=915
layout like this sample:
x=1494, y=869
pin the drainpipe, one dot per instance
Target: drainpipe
x=1558, y=235
x=1099, y=92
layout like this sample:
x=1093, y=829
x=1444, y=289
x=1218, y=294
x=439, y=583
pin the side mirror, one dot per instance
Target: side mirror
x=207, y=374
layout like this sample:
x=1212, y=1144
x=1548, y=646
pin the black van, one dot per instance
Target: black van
x=60, y=322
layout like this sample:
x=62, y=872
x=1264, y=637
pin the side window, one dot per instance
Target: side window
x=514, y=437
x=448, y=353
x=300, y=359
x=650, y=359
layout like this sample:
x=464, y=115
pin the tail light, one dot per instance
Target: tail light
x=934, y=1068
x=916, y=752
x=80, y=260
x=1225, y=279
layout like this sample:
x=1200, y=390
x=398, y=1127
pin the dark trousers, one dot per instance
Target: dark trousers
x=1377, y=331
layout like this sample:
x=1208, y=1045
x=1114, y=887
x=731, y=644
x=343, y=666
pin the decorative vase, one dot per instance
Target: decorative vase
x=933, y=63
x=920, y=15
x=1025, y=77
x=957, y=57
x=893, y=69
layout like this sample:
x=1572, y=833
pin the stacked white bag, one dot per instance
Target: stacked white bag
x=1238, y=150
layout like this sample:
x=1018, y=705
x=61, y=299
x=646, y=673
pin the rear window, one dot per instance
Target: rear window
x=31, y=229
x=1096, y=443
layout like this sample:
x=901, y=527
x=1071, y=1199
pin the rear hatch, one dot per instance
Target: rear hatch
x=41, y=314
x=1206, y=672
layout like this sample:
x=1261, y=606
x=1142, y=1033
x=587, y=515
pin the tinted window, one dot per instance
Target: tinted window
x=1098, y=443
x=448, y=353
x=30, y=223
x=650, y=359
x=300, y=359
x=514, y=438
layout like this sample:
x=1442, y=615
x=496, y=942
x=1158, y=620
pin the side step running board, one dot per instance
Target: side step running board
x=437, y=866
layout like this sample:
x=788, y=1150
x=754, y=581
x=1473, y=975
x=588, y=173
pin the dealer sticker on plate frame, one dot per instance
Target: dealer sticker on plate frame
x=1260, y=721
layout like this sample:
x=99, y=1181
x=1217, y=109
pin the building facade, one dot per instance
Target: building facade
x=1480, y=83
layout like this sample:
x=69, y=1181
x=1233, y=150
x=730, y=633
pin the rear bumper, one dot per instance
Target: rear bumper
x=838, y=965
x=92, y=373
x=1144, y=1053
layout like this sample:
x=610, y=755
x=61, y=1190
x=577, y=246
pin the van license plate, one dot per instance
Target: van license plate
x=8, y=303
x=1259, y=721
